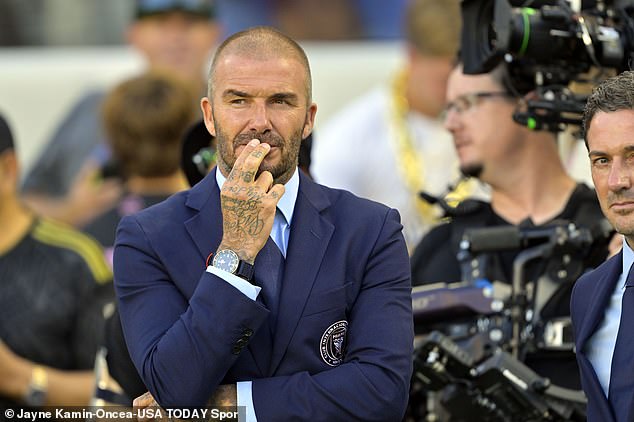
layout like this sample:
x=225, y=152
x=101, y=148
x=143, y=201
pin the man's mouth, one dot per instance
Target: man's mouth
x=623, y=205
x=273, y=143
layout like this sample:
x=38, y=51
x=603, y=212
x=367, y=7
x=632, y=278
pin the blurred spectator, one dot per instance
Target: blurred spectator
x=21, y=22
x=317, y=20
x=98, y=22
x=172, y=34
x=390, y=144
x=54, y=282
x=145, y=119
x=63, y=22
x=381, y=19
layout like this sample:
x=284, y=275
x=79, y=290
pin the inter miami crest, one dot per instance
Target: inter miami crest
x=333, y=343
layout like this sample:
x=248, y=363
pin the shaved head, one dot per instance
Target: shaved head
x=260, y=43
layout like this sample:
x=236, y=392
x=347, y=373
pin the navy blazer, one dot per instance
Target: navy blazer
x=347, y=270
x=589, y=301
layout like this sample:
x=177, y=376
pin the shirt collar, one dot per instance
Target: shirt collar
x=628, y=259
x=287, y=202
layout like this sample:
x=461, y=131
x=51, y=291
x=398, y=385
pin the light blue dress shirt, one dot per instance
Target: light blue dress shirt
x=600, y=346
x=280, y=235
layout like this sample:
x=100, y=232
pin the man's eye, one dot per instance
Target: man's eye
x=238, y=101
x=462, y=105
x=600, y=161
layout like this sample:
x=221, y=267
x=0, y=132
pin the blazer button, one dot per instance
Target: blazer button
x=241, y=342
x=247, y=332
x=236, y=350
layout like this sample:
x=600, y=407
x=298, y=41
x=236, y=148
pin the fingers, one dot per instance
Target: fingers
x=248, y=203
x=88, y=171
x=276, y=192
x=142, y=402
x=247, y=164
x=249, y=160
x=87, y=199
x=265, y=181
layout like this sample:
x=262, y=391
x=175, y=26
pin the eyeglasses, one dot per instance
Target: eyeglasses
x=466, y=102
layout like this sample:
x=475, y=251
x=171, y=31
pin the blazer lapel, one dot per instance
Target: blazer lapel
x=601, y=297
x=205, y=227
x=309, y=238
x=604, y=287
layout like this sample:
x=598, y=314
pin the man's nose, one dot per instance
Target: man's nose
x=451, y=118
x=260, y=119
x=620, y=176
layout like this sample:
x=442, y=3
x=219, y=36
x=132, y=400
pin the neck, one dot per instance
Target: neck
x=417, y=104
x=156, y=185
x=417, y=96
x=284, y=178
x=15, y=221
x=536, y=187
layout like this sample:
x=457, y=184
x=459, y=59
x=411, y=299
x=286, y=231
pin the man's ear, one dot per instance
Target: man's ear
x=310, y=120
x=208, y=116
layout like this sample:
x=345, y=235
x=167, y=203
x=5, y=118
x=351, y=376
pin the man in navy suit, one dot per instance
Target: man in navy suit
x=258, y=287
x=602, y=304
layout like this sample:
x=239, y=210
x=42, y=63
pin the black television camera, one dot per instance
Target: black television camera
x=498, y=388
x=548, y=44
x=474, y=337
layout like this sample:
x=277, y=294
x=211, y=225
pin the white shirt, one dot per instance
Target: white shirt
x=280, y=235
x=355, y=151
x=600, y=347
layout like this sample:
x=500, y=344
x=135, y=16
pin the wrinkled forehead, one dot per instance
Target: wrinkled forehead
x=257, y=72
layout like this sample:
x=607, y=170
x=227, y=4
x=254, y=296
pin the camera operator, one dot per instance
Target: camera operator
x=529, y=187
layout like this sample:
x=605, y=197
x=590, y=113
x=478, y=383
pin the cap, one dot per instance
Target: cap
x=6, y=139
x=203, y=8
x=197, y=153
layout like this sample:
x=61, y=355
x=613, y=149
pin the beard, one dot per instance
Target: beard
x=281, y=170
x=472, y=170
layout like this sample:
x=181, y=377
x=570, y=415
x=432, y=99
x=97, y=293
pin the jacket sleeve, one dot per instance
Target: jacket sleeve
x=372, y=383
x=180, y=355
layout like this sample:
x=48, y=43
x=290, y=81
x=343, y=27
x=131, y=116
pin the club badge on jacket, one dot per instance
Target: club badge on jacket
x=332, y=346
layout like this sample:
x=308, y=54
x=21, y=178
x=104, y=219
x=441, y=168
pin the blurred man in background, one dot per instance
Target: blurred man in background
x=54, y=283
x=390, y=144
x=65, y=182
x=529, y=188
x=145, y=119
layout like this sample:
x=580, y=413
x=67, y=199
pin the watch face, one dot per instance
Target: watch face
x=35, y=397
x=226, y=260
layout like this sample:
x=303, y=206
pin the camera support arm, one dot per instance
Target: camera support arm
x=519, y=301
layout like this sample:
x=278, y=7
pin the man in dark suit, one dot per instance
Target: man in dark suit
x=602, y=304
x=258, y=287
